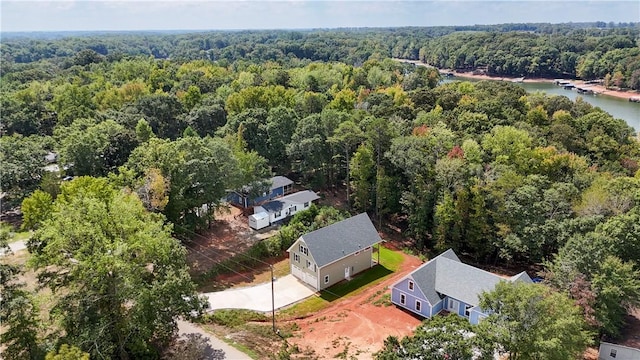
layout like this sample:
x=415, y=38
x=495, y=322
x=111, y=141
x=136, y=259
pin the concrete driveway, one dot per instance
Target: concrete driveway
x=15, y=247
x=287, y=290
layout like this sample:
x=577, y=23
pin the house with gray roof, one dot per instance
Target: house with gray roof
x=334, y=253
x=246, y=197
x=281, y=208
x=445, y=283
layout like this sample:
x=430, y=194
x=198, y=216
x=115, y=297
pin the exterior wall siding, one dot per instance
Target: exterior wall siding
x=460, y=310
x=437, y=307
x=240, y=200
x=607, y=351
x=236, y=199
x=311, y=270
x=335, y=270
x=476, y=315
x=410, y=302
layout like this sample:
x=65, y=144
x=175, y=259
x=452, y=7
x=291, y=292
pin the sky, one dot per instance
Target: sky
x=122, y=15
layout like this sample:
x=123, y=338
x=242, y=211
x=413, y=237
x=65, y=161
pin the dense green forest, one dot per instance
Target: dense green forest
x=585, y=50
x=499, y=175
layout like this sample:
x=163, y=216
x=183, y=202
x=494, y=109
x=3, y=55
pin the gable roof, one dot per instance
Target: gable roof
x=280, y=181
x=276, y=183
x=333, y=242
x=298, y=198
x=446, y=275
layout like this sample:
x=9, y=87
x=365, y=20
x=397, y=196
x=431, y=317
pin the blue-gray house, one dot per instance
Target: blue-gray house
x=280, y=186
x=445, y=283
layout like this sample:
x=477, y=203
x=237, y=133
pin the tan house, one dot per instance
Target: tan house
x=334, y=253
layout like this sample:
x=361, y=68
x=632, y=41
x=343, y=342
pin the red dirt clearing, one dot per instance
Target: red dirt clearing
x=228, y=236
x=354, y=327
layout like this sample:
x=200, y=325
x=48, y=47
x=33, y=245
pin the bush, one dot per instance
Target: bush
x=233, y=317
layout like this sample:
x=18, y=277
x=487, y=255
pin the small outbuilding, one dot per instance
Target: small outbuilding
x=609, y=351
x=334, y=253
x=259, y=221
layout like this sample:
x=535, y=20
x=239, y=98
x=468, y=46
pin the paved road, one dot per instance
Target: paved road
x=230, y=352
x=287, y=290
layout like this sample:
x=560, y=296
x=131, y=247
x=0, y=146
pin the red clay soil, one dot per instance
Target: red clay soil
x=229, y=235
x=353, y=327
x=631, y=331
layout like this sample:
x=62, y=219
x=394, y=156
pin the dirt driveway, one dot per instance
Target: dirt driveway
x=356, y=326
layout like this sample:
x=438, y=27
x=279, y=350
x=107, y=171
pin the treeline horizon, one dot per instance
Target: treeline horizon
x=589, y=51
x=478, y=27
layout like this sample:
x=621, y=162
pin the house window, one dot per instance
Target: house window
x=310, y=265
x=326, y=279
x=411, y=285
x=264, y=194
x=304, y=250
x=306, y=205
x=278, y=214
x=403, y=299
x=613, y=353
x=296, y=257
x=418, y=305
x=467, y=310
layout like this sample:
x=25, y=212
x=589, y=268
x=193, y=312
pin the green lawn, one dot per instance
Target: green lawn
x=389, y=263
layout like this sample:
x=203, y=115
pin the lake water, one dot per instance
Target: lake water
x=618, y=108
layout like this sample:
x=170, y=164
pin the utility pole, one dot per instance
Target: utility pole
x=273, y=301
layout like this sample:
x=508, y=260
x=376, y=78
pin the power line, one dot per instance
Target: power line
x=216, y=262
x=243, y=254
x=273, y=301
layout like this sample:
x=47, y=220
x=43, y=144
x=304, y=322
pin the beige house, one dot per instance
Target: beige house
x=334, y=253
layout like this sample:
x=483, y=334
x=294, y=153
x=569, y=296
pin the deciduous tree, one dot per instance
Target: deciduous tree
x=119, y=277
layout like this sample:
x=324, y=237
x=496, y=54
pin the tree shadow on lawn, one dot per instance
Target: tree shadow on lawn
x=359, y=281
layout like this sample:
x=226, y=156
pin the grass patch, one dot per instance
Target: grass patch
x=21, y=236
x=384, y=300
x=390, y=262
x=233, y=317
x=344, y=288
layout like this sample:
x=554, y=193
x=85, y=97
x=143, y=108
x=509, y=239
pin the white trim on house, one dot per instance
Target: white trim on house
x=450, y=305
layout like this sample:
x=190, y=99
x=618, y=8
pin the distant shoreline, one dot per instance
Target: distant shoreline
x=599, y=89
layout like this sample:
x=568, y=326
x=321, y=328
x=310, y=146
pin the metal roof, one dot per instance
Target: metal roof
x=336, y=241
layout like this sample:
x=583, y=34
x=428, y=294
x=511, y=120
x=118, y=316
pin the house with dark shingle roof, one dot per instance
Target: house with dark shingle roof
x=334, y=253
x=281, y=208
x=280, y=186
x=445, y=283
